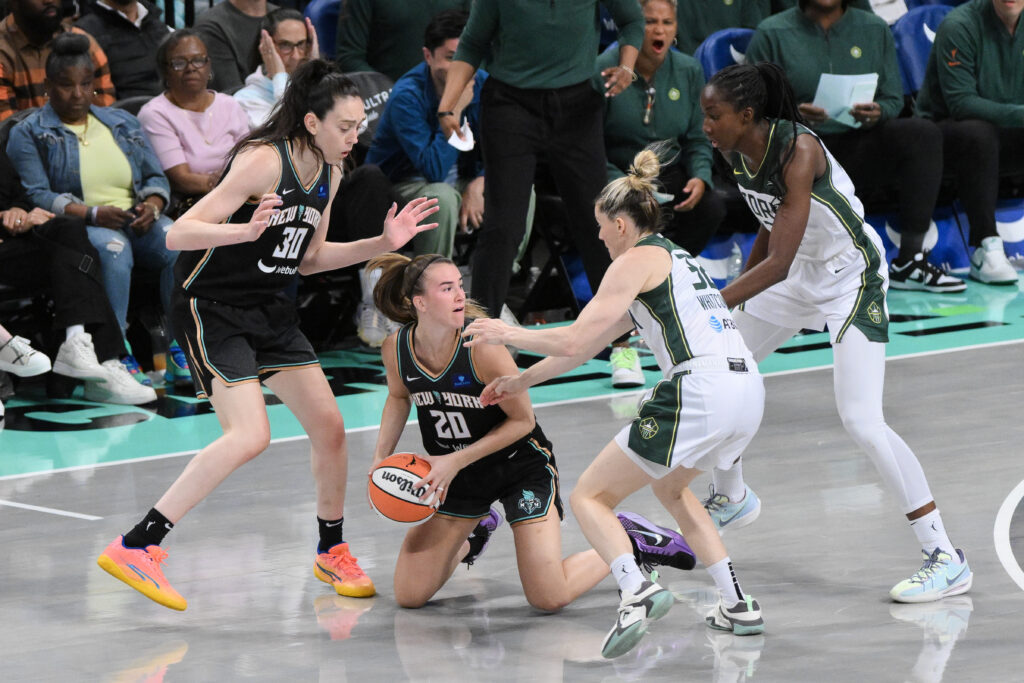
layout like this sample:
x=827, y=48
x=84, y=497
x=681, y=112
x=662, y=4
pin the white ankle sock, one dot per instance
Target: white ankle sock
x=730, y=482
x=73, y=330
x=725, y=580
x=627, y=573
x=931, y=534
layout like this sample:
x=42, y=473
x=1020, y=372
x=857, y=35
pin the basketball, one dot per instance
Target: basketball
x=392, y=489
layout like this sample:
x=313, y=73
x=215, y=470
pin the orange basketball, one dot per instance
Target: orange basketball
x=392, y=490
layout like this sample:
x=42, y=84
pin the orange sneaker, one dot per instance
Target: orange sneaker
x=338, y=568
x=140, y=569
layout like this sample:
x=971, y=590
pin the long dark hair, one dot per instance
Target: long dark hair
x=765, y=89
x=401, y=279
x=313, y=87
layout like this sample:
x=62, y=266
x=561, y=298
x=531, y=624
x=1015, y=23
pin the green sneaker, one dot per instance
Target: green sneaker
x=626, y=370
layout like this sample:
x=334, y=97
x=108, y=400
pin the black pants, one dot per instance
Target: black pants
x=58, y=254
x=977, y=155
x=694, y=228
x=563, y=126
x=905, y=154
x=363, y=198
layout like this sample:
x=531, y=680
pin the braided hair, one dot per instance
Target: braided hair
x=765, y=89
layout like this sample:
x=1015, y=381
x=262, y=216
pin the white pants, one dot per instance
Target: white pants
x=858, y=377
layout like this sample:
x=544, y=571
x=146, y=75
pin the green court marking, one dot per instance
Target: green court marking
x=987, y=314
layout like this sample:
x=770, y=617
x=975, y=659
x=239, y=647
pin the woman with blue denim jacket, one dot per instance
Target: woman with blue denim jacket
x=95, y=163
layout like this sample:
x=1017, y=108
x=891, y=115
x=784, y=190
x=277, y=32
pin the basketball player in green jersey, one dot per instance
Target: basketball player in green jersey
x=816, y=263
x=242, y=246
x=701, y=415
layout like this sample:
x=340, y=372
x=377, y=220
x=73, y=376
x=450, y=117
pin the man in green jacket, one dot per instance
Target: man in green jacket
x=880, y=151
x=974, y=88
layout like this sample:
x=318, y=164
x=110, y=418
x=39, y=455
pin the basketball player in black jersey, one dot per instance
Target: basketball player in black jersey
x=242, y=245
x=477, y=454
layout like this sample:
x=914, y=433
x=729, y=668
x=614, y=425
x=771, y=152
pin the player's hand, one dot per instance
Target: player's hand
x=868, y=113
x=252, y=230
x=442, y=471
x=694, y=189
x=485, y=331
x=471, y=213
x=501, y=388
x=401, y=227
x=815, y=116
x=616, y=79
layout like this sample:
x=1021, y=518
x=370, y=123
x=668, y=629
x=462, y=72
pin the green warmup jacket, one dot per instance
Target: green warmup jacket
x=858, y=43
x=386, y=35
x=543, y=43
x=675, y=115
x=976, y=68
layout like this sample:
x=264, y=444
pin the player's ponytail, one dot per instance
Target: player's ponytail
x=633, y=194
x=313, y=87
x=401, y=279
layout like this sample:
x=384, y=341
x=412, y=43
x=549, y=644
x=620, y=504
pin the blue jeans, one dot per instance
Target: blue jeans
x=120, y=250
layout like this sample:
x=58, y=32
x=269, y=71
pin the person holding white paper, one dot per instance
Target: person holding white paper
x=885, y=153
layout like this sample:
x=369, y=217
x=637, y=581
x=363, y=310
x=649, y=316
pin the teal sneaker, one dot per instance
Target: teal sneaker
x=177, y=371
x=940, y=576
x=636, y=610
x=135, y=370
x=734, y=515
x=743, y=618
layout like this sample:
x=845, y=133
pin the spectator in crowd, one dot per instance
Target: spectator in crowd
x=538, y=104
x=192, y=128
x=664, y=104
x=26, y=38
x=94, y=163
x=384, y=35
x=698, y=19
x=880, y=151
x=230, y=30
x=286, y=40
x=974, y=88
x=129, y=32
x=37, y=248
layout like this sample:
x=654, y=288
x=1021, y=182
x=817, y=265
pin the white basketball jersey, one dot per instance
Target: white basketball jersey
x=685, y=316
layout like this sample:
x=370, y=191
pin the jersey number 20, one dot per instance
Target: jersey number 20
x=450, y=425
x=292, y=242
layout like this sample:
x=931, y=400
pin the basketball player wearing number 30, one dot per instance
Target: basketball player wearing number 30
x=815, y=263
x=242, y=246
x=478, y=454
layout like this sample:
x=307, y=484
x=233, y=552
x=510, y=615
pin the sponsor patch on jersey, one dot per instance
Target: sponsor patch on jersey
x=715, y=324
x=321, y=191
x=461, y=381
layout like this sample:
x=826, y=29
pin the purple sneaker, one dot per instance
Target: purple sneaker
x=481, y=536
x=655, y=545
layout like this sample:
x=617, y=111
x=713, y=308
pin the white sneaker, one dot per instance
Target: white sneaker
x=76, y=358
x=1, y=416
x=118, y=387
x=626, y=370
x=990, y=265
x=373, y=326
x=19, y=358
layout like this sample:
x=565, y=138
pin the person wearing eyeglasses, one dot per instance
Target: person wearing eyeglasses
x=663, y=104
x=286, y=40
x=191, y=127
x=129, y=32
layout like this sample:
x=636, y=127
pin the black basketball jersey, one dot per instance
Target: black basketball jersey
x=448, y=406
x=255, y=272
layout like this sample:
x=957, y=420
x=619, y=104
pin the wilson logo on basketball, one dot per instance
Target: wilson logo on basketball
x=402, y=484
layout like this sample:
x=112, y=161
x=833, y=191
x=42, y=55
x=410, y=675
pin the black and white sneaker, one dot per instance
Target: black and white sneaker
x=921, y=275
x=743, y=618
x=648, y=603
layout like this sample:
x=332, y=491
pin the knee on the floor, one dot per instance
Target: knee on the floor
x=546, y=602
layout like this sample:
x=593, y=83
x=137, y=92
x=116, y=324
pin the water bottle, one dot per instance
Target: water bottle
x=735, y=263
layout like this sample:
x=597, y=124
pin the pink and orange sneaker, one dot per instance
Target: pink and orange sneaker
x=338, y=568
x=140, y=569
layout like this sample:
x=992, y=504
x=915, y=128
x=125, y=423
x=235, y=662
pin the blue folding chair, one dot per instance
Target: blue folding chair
x=914, y=4
x=723, y=48
x=324, y=15
x=914, y=34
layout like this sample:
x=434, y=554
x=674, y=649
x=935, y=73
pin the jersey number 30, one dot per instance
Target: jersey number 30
x=292, y=242
x=450, y=425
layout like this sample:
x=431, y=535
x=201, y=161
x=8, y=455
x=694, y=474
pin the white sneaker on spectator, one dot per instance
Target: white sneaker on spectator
x=118, y=386
x=76, y=358
x=626, y=370
x=990, y=265
x=19, y=358
x=373, y=326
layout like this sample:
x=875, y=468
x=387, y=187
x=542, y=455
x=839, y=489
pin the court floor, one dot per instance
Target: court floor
x=821, y=558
